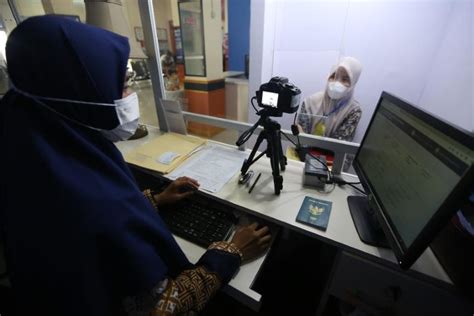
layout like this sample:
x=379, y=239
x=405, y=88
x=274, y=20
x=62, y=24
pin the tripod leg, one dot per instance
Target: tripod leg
x=283, y=161
x=250, y=160
x=273, y=148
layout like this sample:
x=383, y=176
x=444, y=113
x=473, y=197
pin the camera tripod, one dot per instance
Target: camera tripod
x=272, y=134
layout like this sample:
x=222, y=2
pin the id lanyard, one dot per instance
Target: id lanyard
x=336, y=108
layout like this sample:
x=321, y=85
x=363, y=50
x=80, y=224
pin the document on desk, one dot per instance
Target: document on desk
x=165, y=153
x=212, y=167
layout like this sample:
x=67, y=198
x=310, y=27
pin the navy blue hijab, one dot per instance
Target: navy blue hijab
x=79, y=234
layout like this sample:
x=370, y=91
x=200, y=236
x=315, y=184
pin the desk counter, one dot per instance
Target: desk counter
x=283, y=209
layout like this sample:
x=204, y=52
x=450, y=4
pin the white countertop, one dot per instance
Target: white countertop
x=283, y=209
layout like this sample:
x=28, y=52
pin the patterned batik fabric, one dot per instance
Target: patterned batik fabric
x=149, y=196
x=187, y=294
x=346, y=130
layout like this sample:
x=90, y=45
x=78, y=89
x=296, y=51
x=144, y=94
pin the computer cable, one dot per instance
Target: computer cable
x=248, y=133
x=351, y=184
x=313, y=156
x=330, y=190
x=253, y=105
x=356, y=188
x=330, y=177
x=295, y=131
x=345, y=182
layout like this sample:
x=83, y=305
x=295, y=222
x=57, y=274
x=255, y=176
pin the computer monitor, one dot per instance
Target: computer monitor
x=417, y=170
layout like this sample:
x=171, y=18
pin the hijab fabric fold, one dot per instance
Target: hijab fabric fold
x=79, y=235
x=320, y=104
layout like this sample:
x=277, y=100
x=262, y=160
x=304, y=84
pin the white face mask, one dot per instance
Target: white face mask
x=128, y=113
x=127, y=110
x=336, y=90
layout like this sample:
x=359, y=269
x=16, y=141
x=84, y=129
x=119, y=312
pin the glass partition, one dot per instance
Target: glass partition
x=128, y=22
x=342, y=55
x=205, y=68
x=3, y=65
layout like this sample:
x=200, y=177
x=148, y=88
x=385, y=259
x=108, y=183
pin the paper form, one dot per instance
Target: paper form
x=213, y=167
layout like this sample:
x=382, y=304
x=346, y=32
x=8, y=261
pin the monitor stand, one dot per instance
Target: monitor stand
x=365, y=222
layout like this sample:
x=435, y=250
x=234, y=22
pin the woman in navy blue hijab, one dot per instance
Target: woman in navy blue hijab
x=80, y=237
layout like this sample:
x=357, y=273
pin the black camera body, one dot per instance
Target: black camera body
x=279, y=96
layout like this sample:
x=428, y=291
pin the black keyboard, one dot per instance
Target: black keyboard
x=200, y=221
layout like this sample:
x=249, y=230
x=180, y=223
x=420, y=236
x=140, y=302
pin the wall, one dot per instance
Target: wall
x=239, y=33
x=162, y=11
x=174, y=12
x=69, y=7
x=449, y=86
x=262, y=26
x=397, y=43
x=29, y=7
x=406, y=47
x=163, y=15
x=9, y=24
x=133, y=14
x=8, y=19
x=213, y=39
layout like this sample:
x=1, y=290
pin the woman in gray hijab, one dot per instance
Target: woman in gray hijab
x=334, y=112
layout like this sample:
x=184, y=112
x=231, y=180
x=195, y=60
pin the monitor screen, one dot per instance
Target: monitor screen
x=410, y=166
x=270, y=98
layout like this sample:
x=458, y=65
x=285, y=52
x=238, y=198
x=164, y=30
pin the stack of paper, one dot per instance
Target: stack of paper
x=212, y=167
x=164, y=153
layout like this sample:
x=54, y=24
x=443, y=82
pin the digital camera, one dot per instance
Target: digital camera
x=279, y=96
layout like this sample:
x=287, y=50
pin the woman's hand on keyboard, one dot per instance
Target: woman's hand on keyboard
x=176, y=191
x=252, y=241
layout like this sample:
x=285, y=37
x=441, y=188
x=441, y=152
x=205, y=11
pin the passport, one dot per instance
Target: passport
x=314, y=212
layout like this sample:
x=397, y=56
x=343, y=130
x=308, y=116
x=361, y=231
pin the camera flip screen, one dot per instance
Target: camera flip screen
x=270, y=99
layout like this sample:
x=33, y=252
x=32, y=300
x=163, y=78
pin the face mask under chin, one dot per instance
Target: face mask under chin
x=121, y=132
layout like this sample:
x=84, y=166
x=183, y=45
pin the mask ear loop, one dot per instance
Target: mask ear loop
x=35, y=98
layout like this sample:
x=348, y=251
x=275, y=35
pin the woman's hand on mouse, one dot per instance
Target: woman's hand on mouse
x=177, y=190
x=252, y=241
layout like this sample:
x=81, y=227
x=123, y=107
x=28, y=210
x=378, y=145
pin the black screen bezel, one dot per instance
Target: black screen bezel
x=406, y=256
